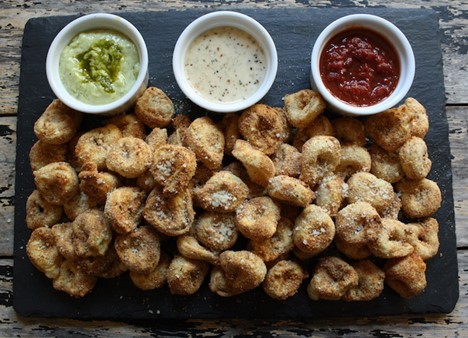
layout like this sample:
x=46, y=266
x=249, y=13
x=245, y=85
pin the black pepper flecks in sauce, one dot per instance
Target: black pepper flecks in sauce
x=225, y=64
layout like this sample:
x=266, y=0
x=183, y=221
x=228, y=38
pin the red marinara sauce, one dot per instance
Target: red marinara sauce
x=359, y=67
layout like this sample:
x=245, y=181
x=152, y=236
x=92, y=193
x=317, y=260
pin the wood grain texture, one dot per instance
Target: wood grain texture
x=458, y=129
x=453, y=21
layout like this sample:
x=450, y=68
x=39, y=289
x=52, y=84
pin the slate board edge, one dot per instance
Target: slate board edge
x=20, y=164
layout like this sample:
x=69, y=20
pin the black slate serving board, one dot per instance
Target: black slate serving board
x=294, y=32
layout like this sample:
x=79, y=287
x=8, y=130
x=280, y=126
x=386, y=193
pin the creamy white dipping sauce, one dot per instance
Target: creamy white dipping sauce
x=99, y=66
x=225, y=64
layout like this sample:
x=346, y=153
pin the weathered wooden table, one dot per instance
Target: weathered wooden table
x=454, y=27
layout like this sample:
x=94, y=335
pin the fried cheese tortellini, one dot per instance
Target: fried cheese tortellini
x=156, y=138
x=73, y=280
x=57, y=182
x=220, y=285
x=58, y=123
x=171, y=215
x=257, y=218
x=216, y=231
x=259, y=166
x=63, y=236
x=320, y=127
x=313, y=231
x=92, y=234
x=139, y=250
x=94, y=145
x=279, y=245
x=42, y=153
x=419, y=198
x=77, y=205
x=423, y=236
x=353, y=221
x=124, y=208
x=223, y=192
x=417, y=117
x=303, y=107
x=264, y=127
x=185, y=276
x=230, y=127
x=370, y=282
x=406, y=275
x=353, y=159
x=284, y=279
x=320, y=157
x=154, y=279
x=392, y=128
x=130, y=198
x=330, y=193
x=206, y=140
x=238, y=169
x=129, y=156
x=388, y=129
x=40, y=213
x=290, y=190
x=243, y=270
x=189, y=247
x=43, y=252
x=385, y=164
x=154, y=108
x=414, y=158
x=393, y=210
x=107, y=266
x=129, y=125
x=173, y=167
x=349, y=130
x=97, y=184
x=352, y=250
x=331, y=279
x=388, y=239
x=287, y=161
x=365, y=187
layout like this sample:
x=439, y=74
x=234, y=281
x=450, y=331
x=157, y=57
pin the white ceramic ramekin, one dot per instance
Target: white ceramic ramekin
x=90, y=22
x=224, y=19
x=388, y=31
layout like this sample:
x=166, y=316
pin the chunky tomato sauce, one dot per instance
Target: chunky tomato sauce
x=359, y=67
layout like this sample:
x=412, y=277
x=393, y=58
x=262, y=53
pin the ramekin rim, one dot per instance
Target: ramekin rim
x=53, y=55
x=194, y=29
x=361, y=19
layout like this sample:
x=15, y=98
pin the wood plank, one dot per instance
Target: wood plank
x=7, y=183
x=450, y=325
x=7, y=211
x=7, y=156
x=458, y=129
x=454, y=30
x=453, y=19
x=13, y=17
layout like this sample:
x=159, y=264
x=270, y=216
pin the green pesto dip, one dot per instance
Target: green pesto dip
x=99, y=66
